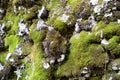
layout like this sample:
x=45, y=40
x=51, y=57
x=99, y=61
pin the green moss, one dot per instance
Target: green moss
x=34, y=68
x=99, y=26
x=36, y=36
x=15, y=1
x=82, y=53
x=53, y=4
x=11, y=41
x=73, y=3
x=2, y=57
x=114, y=46
x=14, y=19
x=59, y=24
x=29, y=16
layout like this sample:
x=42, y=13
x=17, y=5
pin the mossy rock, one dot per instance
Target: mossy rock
x=36, y=36
x=55, y=44
x=59, y=24
x=82, y=53
x=11, y=41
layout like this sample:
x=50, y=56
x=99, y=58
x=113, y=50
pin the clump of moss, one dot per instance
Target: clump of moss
x=36, y=36
x=114, y=46
x=12, y=25
x=73, y=3
x=32, y=13
x=34, y=68
x=82, y=53
x=53, y=4
x=59, y=24
x=11, y=41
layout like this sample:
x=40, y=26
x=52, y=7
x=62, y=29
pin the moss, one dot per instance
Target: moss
x=114, y=46
x=59, y=24
x=73, y=3
x=33, y=13
x=82, y=53
x=34, y=68
x=11, y=41
x=53, y=4
x=15, y=1
x=2, y=57
x=29, y=16
x=36, y=36
x=13, y=26
x=99, y=26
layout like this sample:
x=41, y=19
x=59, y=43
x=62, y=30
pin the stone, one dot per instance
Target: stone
x=40, y=25
x=43, y=13
x=22, y=30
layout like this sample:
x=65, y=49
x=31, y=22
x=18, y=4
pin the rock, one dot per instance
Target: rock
x=43, y=13
x=40, y=25
x=54, y=45
x=1, y=43
x=2, y=27
x=23, y=30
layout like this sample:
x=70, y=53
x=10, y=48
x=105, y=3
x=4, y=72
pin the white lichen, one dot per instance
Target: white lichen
x=46, y=65
x=22, y=28
x=2, y=26
x=1, y=10
x=18, y=50
x=94, y=2
x=114, y=66
x=18, y=73
x=104, y=41
x=52, y=61
x=97, y=9
x=108, y=14
x=77, y=29
x=62, y=57
x=64, y=17
x=41, y=11
x=40, y=25
x=118, y=21
x=11, y=60
x=1, y=67
x=50, y=28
